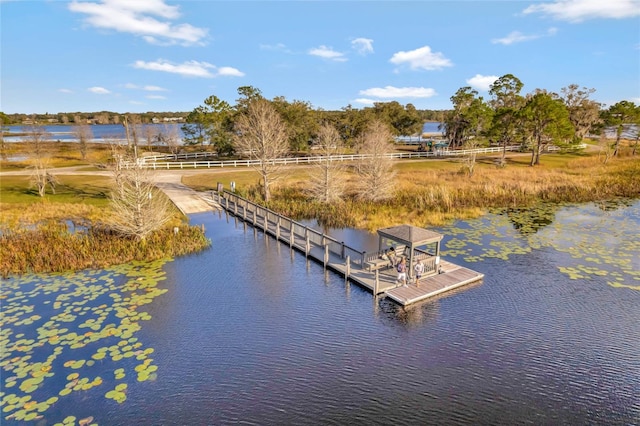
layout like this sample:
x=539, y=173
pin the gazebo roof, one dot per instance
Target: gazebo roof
x=410, y=235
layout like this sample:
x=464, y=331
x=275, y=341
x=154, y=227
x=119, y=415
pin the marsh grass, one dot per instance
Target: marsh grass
x=64, y=231
x=433, y=193
x=51, y=246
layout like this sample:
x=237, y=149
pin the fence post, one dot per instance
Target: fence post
x=265, y=222
x=254, y=217
x=364, y=253
x=278, y=228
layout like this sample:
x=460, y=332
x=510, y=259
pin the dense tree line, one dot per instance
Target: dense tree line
x=211, y=125
x=534, y=120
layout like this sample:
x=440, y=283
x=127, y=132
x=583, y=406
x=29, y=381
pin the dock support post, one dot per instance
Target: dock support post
x=376, y=283
x=291, y=234
x=347, y=271
x=266, y=222
x=254, y=217
x=307, y=247
x=342, y=250
x=278, y=228
x=235, y=208
x=244, y=212
x=326, y=255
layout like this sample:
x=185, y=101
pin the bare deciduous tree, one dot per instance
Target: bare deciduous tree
x=606, y=148
x=149, y=134
x=327, y=184
x=41, y=177
x=36, y=135
x=170, y=137
x=375, y=170
x=132, y=125
x=469, y=161
x=84, y=134
x=3, y=146
x=138, y=208
x=261, y=134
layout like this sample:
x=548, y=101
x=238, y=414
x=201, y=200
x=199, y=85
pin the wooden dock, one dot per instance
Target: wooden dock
x=350, y=262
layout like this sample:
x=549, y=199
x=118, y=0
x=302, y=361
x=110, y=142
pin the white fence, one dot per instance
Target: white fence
x=438, y=153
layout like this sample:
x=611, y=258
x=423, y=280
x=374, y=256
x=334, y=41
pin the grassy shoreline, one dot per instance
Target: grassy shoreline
x=433, y=193
x=428, y=193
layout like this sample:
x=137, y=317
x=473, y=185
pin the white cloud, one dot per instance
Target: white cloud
x=422, y=58
x=518, y=37
x=278, y=47
x=327, y=53
x=230, y=72
x=98, y=90
x=362, y=45
x=154, y=89
x=482, y=82
x=365, y=101
x=155, y=97
x=582, y=10
x=399, y=92
x=137, y=17
x=65, y=91
x=146, y=88
x=513, y=37
x=189, y=68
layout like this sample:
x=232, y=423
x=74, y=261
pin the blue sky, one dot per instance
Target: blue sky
x=161, y=55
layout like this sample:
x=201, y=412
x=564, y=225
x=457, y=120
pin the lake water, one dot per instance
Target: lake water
x=99, y=132
x=251, y=332
x=102, y=132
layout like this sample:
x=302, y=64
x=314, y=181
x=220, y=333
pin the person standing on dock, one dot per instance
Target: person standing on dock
x=419, y=268
x=402, y=271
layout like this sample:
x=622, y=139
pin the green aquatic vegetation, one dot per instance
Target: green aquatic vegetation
x=600, y=240
x=74, y=326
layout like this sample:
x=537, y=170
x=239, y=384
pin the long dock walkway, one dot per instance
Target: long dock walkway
x=350, y=262
x=185, y=199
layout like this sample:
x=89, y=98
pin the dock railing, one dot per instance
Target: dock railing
x=287, y=230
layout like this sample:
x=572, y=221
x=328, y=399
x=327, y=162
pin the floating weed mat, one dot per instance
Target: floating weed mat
x=60, y=333
x=600, y=239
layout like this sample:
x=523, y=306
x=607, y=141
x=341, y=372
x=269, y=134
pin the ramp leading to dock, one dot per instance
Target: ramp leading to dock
x=186, y=199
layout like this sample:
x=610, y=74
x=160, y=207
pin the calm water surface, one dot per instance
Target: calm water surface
x=250, y=332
